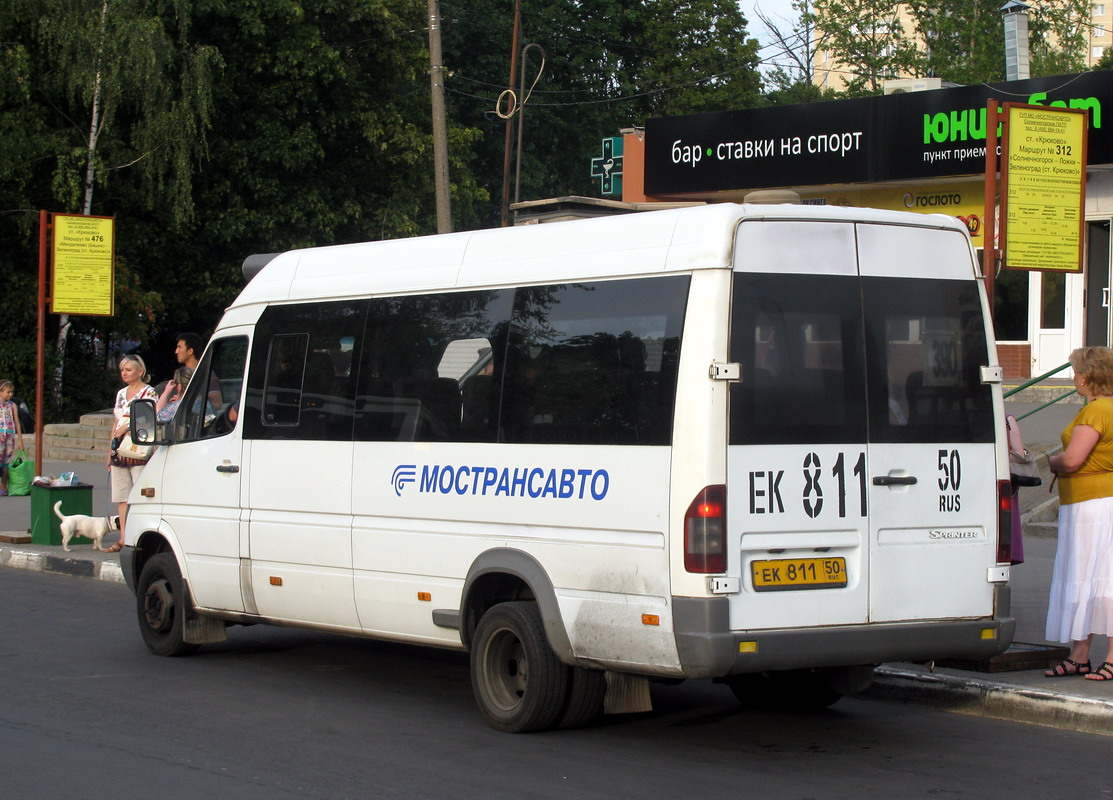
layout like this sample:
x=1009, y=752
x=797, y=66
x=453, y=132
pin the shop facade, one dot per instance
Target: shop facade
x=922, y=151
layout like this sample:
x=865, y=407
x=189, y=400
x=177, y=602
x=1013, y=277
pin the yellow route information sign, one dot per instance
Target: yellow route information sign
x=1043, y=176
x=83, y=262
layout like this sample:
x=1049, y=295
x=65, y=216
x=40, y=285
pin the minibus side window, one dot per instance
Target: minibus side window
x=926, y=346
x=430, y=368
x=594, y=363
x=211, y=404
x=302, y=375
x=285, y=374
x=799, y=341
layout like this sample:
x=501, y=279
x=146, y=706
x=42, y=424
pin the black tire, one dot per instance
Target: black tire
x=797, y=690
x=519, y=683
x=161, y=602
x=586, y=690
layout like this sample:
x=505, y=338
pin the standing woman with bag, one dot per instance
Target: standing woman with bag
x=11, y=434
x=1081, y=598
x=125, y=471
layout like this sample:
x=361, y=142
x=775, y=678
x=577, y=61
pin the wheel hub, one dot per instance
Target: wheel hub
x=511, y=676
x=158, y=605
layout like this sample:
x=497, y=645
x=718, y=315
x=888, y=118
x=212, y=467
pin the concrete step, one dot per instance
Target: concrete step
x=99, y=419
x=86, y=440
x=77, y=436
x=1045, y=394
x=72, y=430
x=1057, y=388
x=65, y=454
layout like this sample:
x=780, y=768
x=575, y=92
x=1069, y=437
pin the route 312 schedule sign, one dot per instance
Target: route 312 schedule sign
x=1043, y=188
x=83, y=253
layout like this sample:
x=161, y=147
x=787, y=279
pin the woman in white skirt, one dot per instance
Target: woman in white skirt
x=1081, y=600
x=124, y=471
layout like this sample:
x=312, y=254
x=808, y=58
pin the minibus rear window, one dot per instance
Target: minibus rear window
x=926, y=345
x=799, y=341
x=833, y=359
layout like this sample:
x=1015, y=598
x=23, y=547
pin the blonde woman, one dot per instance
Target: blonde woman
x=1081, y=598
x=133, y=372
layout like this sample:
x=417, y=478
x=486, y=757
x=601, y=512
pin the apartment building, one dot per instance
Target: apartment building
x=830, y=73
x=1100, y=34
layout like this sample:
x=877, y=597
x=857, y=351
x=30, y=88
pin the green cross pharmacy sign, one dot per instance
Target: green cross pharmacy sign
x=608, y=167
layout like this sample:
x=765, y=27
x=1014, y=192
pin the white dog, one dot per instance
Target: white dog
x=81, y=525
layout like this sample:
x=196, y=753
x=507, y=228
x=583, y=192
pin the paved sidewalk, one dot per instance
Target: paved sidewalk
x=1024, y=695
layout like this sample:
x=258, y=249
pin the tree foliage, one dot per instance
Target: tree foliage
x=959, y=41
x=868, y=39
x=132, y=92
x=963, y=41
x=1059, y=36
x=793, y=79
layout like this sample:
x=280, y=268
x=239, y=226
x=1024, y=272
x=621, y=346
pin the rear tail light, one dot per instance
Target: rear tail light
x=1004, y=522
x=705, y=531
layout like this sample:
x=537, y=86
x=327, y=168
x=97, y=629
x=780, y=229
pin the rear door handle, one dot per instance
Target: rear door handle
x=234, y=468
x=894, y=480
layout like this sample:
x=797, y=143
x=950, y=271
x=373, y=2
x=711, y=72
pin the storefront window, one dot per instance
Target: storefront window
x=1053, y=313
x=1010, y=306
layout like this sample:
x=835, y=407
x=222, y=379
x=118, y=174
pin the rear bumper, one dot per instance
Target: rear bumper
x=709, y=649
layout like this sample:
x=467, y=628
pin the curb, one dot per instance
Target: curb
x=106, y=570
x=983, y=697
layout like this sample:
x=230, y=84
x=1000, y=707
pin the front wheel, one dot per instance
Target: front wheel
x=518, y=681
x=161, y=598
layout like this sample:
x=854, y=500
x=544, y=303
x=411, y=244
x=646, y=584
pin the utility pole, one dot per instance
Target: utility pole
x=510, y=117
x=440, y=128
x=522, y=114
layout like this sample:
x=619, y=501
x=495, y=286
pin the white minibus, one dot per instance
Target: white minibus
x=762, y=444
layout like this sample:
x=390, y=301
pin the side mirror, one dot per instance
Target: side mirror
x=144, y=423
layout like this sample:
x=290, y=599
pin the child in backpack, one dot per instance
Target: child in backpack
x=11, y=432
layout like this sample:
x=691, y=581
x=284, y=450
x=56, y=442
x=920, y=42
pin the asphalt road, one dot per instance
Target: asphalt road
x=277, y=713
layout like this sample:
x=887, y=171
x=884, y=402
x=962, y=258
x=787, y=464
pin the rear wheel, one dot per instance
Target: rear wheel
x=161, y=599
x=518, y=681
x=586, y=691
x=796, y=690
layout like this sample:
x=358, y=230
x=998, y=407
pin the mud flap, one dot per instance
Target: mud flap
x=626, y=694
x=203, y=630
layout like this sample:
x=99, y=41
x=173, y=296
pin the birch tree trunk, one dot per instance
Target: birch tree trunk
x=64, y=323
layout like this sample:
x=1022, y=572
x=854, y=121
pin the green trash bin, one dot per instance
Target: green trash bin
x=76, y=499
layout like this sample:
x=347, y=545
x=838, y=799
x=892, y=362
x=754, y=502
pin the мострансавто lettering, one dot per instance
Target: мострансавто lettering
x=532, y=482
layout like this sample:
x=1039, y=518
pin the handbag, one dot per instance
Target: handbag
x=1022, y=466
x=21, y=471
x=127, y=450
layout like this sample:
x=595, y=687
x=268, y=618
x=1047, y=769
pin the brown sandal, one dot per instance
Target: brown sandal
x=116, y=548
x=1061, y=670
